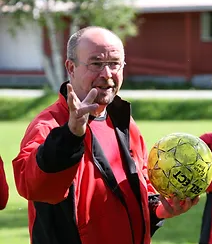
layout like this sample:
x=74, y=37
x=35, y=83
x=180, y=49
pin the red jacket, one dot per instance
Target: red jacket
x=207, y=138
x=4, y=189
x=67, y=178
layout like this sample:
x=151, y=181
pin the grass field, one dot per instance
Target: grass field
x=13, y=220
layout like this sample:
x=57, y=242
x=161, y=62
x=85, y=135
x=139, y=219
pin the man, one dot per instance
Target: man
x=4, y=189
x=206, y=228
x=82, y=161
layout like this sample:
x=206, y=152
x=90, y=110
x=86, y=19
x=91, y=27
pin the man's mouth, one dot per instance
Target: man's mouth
x=104, y=87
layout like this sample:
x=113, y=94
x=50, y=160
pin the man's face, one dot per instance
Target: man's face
x=99, y=64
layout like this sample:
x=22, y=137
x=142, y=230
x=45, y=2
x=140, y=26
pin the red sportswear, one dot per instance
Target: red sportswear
x=86, y=190
x=4, y=189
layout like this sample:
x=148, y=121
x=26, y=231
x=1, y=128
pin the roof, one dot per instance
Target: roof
x=143, y=6
x=162, y=6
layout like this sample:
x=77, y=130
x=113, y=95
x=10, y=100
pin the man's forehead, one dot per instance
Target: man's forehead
x=100, y=50
x=114, y=54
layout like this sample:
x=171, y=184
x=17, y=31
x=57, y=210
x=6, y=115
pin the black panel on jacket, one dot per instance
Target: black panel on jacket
x=56, y=224
x=121, y=121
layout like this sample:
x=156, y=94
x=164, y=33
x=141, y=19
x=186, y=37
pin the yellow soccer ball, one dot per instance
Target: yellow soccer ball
x=180, y=164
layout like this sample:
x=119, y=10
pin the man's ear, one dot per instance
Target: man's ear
x=69, y=64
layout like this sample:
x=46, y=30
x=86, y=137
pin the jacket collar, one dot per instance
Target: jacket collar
x=63, y=95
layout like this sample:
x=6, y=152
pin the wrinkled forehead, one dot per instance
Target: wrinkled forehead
x=100, y=45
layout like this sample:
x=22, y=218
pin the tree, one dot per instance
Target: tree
x=114, y=15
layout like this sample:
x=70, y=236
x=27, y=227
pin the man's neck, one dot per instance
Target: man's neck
x=99, y=112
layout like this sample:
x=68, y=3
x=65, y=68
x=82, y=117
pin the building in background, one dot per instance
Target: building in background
x=174, y=43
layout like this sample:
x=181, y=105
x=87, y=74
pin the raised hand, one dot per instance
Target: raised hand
x=79, y=110
x=173, y=206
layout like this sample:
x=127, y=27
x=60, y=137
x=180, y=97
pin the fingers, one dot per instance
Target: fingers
x=91, y=96
x=179, y=205
x=69, y=88
x=167, y=206
x=86, y=106
x=79, y=110
x=188, y=203
x=195, y=200
x=72, y=98
x=173, y=206
x=86, y=110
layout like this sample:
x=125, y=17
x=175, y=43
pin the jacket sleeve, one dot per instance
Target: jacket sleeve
x=4, y=189
x=207, y=138
x=47, y=163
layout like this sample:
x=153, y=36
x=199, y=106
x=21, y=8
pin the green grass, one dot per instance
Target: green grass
x=183, y=229
x=142, y=109
x=13, y=220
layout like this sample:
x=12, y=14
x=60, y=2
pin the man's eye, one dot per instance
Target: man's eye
x=114, y=63
x=96, y=64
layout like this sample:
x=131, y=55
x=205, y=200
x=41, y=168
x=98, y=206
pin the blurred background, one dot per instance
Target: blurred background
x=167, y=78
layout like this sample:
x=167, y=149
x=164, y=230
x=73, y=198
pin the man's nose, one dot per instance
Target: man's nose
x=106, y=72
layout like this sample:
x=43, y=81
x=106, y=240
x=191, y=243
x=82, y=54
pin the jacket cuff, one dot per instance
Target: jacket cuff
x=155, y=222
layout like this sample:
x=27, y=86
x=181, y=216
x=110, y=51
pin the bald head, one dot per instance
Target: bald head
x=95, y=59
x=91, y=34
